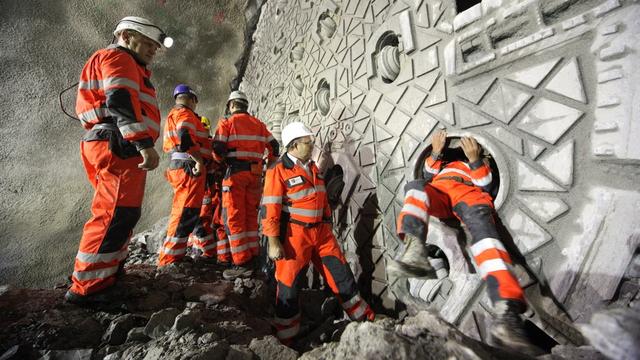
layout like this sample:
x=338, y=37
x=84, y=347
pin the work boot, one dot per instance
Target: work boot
x=102, y=297
x=508, y=331
x=414, y=262
x=239, y=271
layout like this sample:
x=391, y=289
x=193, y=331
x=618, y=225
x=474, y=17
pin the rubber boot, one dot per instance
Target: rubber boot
x=414, y=262
x=508, y=329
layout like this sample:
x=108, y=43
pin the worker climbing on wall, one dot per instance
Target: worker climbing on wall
x=117, y=106
x=457, y=185
x=241, y=141
x=187, y=141
x=296, y=218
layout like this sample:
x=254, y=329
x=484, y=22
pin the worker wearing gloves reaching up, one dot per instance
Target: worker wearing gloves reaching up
x=117, y=106
x=241, y=141
x=296, y=220
x=457, y=185
x=187, y=141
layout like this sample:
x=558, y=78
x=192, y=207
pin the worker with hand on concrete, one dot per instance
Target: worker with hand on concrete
x=297, y=221
x=241, y=141
x=187, y=141
x=117, y=106
x=457, y=185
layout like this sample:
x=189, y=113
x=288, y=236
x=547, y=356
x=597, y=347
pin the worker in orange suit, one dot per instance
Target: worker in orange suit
x=241, y=141
x=457, y=185
x=187, y=141
x=117, y=106
x=201, y=239
x=296, y=220
x=206, y=235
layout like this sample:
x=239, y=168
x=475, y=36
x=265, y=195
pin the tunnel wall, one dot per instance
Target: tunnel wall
x=549, y=86
x=44, y=194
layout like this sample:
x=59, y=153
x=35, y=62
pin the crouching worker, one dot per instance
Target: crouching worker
x=457, y=184
x=296, y=220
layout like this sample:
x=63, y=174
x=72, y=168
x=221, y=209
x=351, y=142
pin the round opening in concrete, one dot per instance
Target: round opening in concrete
x=388, y=57
x=434, y=291
x=326, y=26
x=298, y=85
x=334, y=184
x=322, y=97
x=497, y=163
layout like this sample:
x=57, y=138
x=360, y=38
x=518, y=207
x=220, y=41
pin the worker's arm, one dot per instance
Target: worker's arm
x=120, y=84
x=480, y=171
x=186, y=132
x=272, y=146
x=432, y=163
x=272, y=195
x=220, y=140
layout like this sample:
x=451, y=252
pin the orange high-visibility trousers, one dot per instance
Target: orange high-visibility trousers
x=317, y=244
x=449, y=198
x=202, y=237
x=119, y=189
x=223, y=249
x=241, y=192
x=185, y=211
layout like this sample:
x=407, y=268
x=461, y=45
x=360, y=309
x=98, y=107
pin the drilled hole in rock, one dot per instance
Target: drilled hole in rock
x=326, y=26
x=388, y=57
x=322, y=97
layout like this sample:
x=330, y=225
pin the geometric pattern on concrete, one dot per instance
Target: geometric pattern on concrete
x=549, y=120
x=568, y=82
x=559, y=163
x=504, y=102
x=533, y=76
x=546, y=208
x=514, y=142
x=327, y=76
x=527, y=234
x=529, y=179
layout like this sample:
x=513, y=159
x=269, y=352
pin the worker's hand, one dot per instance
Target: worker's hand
x=275, y=250
x=438, y=141
x=150, y=159
x=199, y=167
x=471, y=148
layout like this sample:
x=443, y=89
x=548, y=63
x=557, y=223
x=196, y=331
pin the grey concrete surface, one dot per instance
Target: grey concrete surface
x=44, y=195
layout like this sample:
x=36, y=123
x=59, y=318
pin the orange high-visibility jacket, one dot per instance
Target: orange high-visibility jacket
x=184, y=132
x=476, y=173
x=243, y=137
x=292, y=194
x=115, y=88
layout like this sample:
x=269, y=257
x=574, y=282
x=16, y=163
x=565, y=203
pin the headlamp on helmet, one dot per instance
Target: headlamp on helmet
x=146, y=28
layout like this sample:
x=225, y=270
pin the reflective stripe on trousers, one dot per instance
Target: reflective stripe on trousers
x=119, y=189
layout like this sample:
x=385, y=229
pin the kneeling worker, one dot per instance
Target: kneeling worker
x=296, y=219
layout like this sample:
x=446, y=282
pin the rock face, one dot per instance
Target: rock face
x=182, y=323
x=44, y=205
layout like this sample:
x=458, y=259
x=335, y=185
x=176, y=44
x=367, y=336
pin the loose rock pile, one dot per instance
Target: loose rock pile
x=188, y=311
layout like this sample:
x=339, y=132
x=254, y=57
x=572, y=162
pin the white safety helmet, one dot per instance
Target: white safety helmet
x=293, y=131
x=144, y=27
x=238, y=95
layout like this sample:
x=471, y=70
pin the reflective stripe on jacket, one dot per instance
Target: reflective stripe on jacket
x=184, y=132
x=243, y=137
x=290, y=192
x=477, y=173
x=115, y=88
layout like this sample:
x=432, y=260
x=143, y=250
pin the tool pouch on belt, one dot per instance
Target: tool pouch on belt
x=256, y=169
x=117, y=144
x=238, y=166
x=187, y=165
